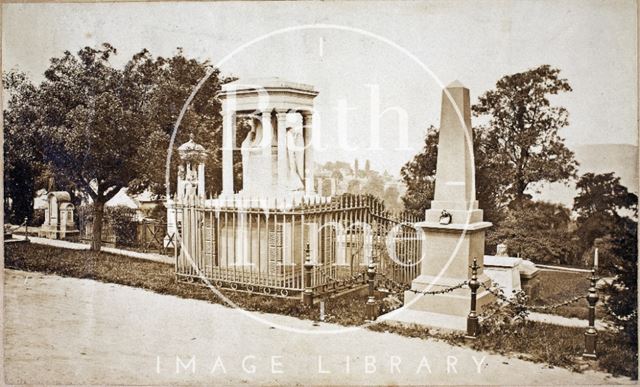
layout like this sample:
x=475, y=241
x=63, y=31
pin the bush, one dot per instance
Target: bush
x=123, y=223
x=538, y=231
x=38, y=218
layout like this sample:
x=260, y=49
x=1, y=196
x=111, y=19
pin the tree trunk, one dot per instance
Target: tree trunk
x=98, y=212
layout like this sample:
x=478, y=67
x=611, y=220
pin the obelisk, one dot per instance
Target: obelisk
x=454, y=231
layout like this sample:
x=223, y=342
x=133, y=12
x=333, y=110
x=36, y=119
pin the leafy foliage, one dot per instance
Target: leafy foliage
x=623, y=294
x=522, y=132
x=599, y=204
x=419, y=175
x=98, y=129
x=602, y=194
x=536, y=230
x=22, y=161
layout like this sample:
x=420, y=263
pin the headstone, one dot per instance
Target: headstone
x=58, y=217
x=505, y=272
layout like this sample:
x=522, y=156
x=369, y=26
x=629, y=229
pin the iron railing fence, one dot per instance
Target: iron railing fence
x=242, y=245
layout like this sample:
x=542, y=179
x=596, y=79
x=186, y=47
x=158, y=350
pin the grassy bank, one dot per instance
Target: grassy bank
x=559, y=286
x=554, y=345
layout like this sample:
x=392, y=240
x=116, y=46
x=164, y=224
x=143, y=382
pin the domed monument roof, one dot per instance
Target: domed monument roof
x=191, y=150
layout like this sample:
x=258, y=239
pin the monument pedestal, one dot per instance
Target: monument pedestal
x=450, y=250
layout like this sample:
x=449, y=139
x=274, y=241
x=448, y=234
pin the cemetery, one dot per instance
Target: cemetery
x=241, y=213
x=279, y=245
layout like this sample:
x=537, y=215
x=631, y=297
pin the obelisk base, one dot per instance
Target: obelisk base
x=450, y=251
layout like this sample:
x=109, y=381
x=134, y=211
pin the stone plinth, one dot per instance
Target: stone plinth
x=446, y=261
x=505, y=271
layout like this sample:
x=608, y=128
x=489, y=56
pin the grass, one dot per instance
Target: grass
x=559, y=286
x=541, y=343
x=538, y=342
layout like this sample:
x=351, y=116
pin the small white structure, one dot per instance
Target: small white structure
x=510, y=273
x=505, y=272
x=190, y=182
x=58, y=217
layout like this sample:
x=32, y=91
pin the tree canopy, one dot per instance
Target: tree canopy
x=419, y=177
x=602, y=194
x=105, y=128
x=522, y=130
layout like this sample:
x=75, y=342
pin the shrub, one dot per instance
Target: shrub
x=123, y=223
x=38, y=218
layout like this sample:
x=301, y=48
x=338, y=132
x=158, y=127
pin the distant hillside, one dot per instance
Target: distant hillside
x=598, y=158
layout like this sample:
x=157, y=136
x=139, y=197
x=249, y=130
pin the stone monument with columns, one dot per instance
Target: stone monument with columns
x=277, y=171
x=454, y=229
x=277, y=157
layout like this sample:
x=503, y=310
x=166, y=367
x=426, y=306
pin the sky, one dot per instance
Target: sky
x=367, y=56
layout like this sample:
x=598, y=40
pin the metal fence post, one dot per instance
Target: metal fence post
x=591, y=335
x=473, y=328
x=26, y=229
x=307, y=295
x=371, y=301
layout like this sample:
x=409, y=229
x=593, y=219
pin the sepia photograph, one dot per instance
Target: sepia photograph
x=422, y=192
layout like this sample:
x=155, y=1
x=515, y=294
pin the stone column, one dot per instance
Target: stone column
x=307, y=123
x=228, y=144
x=201, y=188
x=282, y=148
x=267, y=142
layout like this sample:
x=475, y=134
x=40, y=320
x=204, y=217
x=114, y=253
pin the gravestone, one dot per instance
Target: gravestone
x=58, y=218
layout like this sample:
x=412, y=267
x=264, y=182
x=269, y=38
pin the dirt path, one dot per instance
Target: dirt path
x=69, y=331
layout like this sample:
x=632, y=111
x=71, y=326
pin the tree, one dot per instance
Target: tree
x=602, y=205
x=106, y=128
x=353, y=187
x=522, y=131
x=374, y=185
x=391, y=198
x=602, y=194
x=91, y=125
x=600, y=201
x=22, y=158
x=419, y=176
x=166, y=83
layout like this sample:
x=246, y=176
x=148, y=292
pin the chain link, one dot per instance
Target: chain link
x=441, y=291
x=406, y=287
x=502, y=297
x=392, y=285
